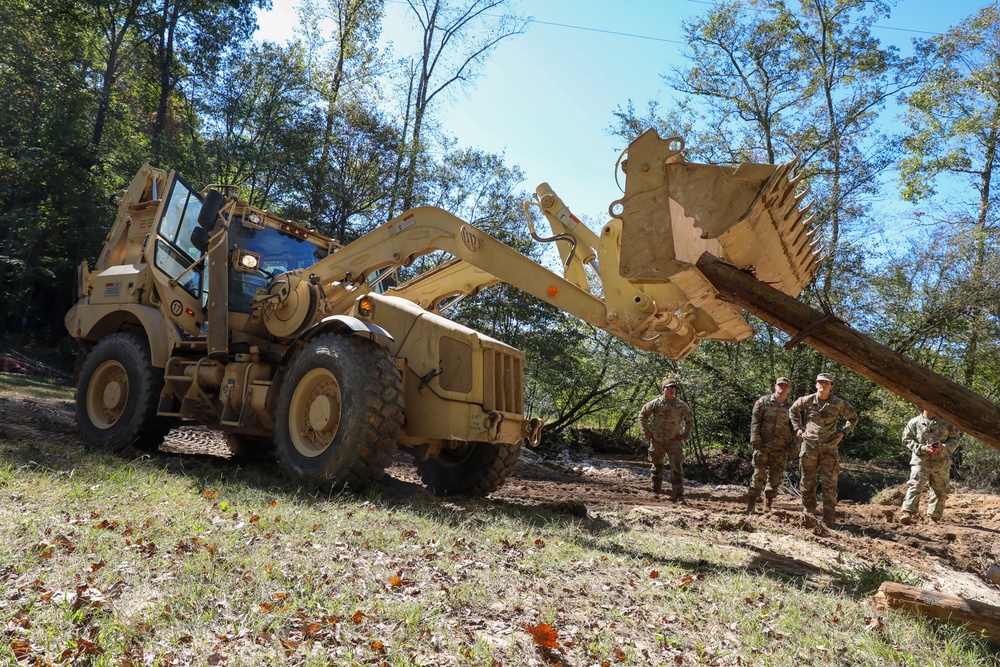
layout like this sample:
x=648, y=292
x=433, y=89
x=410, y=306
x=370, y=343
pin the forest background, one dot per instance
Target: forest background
x=332, y=131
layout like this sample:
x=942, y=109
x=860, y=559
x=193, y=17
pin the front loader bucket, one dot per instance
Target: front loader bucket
x=749, y=216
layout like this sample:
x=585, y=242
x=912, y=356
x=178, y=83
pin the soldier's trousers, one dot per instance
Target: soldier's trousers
x=768, y=467
x=675, y=452
x=921, y=477
x=823, y=462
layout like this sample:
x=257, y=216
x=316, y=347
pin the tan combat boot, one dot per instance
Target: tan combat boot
x=906, y=518
x=829, y=517
x=751, y=503
x=768, y=503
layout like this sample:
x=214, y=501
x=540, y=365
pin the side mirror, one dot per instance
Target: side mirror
x=210, y=210
x=199, y=238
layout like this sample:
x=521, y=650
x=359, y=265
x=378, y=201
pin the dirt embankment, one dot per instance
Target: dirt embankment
x=952, y=556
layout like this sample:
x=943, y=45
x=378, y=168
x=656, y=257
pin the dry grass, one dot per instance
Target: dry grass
x=174, y=560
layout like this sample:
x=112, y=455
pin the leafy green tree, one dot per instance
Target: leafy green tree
x=47, y=191
x=341, y=40
x=255, y=124
x=118, y=38
x=951, y=159
x=188, y=38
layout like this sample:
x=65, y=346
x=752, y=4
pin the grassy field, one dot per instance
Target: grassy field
x=173, y=560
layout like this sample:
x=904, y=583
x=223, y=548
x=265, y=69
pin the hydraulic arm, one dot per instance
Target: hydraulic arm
x=649, y=293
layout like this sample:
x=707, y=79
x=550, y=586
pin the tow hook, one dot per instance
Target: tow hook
x=492, y=424
x=535, y=431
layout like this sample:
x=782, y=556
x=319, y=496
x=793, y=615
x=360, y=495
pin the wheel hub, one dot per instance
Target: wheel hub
x=322, y=413
x=314, y=412
x=107, y=394
x=114, y=395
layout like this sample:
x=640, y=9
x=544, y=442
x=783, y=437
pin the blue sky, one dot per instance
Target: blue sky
x=546, y=99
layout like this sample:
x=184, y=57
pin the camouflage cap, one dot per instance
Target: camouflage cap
x=825, y=377
x=783, y=381
x=669, y=382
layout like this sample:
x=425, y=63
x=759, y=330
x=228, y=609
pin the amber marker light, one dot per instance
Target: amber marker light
x=190, y=312
x=365, y=306
x=553, y=290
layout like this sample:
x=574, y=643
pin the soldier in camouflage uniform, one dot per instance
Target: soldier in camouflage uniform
x=931, y=441
x=773, y=442
x=666, y=423
x=814, y=418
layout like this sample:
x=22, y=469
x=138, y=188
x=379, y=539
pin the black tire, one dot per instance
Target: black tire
x=117, y=395
x=473, y=469
x=340, y=410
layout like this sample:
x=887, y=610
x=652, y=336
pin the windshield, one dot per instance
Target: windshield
x=278, y=252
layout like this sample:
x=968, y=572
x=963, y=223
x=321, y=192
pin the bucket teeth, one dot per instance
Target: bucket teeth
x=774, y=238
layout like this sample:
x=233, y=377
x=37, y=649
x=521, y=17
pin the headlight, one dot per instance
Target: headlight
x=246, y=261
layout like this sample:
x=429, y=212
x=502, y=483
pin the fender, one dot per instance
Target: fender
x=338, y=324
x=342, y=323
x=104, y=320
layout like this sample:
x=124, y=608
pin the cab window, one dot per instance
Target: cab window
x=174, y=250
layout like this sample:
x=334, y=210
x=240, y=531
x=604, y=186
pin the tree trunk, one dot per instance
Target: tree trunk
x=872, y=360
x=165, y=63
x=951, y=609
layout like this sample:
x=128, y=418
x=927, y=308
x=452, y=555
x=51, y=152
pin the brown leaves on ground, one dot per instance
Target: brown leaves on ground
x=543, y=634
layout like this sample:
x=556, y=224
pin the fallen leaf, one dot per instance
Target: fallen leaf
x=654, y=574
x=20, y=649
x=874, y=623
x=395, y=581
x=358, y=617
x=543, y=634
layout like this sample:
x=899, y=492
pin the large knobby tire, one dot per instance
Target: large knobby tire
x=471, y=469
x=340, y=410
x=117, y=396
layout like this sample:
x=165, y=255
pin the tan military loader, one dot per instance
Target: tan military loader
x=203, y=309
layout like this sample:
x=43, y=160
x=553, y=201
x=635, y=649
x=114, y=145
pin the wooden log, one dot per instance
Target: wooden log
x=838, y=341
x=951, y=609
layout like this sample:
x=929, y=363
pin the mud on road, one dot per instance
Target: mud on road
x=952, y=556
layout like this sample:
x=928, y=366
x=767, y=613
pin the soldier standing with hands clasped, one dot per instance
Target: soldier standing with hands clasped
x=815, y=418
x=666, y=422
x=931, y=441
x=773, y=441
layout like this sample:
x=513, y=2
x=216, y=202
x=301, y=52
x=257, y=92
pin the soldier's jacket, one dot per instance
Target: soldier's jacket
x=770, y=426
x=665, y=419
x=922, y=431
x=820, y=424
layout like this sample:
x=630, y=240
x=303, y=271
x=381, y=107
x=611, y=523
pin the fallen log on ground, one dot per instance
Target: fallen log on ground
x=951, y=609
